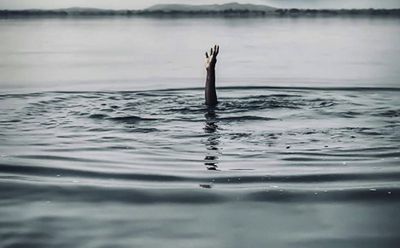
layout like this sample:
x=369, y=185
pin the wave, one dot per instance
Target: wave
x=245, y=118
x=242, y=88
x=389, y=113
x=130, y=119
x=246, y=180
x=168, y=91
x=142, y=142
x=17, y=191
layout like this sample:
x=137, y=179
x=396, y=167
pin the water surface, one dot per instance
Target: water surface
x=105, y=140
x=146, y=53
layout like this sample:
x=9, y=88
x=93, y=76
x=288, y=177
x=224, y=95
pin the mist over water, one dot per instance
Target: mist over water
x=105, y=140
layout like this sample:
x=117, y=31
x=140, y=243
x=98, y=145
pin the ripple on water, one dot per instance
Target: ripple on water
x=298, y=139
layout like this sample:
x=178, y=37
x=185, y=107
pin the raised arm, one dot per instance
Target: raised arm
x=211, y=61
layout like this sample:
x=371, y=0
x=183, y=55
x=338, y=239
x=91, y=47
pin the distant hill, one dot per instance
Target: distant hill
x=213, y=10
x=80, y=9
x=212, y=7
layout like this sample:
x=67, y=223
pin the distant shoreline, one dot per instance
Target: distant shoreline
x=240, y=13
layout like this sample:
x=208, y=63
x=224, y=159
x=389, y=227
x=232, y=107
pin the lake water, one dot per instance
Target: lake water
x=105, y=140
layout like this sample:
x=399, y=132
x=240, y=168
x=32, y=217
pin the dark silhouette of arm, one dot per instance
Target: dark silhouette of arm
x=210, y=92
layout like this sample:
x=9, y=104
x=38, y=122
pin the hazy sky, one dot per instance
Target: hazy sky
x=138, y=4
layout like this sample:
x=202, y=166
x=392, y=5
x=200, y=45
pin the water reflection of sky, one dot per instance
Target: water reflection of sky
x=315, y=52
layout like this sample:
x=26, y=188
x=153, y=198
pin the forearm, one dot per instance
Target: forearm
x=211, y=61
x=210, y=92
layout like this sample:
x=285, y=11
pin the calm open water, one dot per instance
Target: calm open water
x=105, y=140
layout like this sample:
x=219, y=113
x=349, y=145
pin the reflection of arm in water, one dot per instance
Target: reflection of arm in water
x=211, y=60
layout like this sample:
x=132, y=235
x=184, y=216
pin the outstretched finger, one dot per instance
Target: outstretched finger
x=211, y=52
x=216, y=49
x=206, y=55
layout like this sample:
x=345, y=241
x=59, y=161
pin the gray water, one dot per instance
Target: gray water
x=105, y=140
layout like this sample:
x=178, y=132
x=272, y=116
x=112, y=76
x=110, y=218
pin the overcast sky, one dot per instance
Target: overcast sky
x=138, y=4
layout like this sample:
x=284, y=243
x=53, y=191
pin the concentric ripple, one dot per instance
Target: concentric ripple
x=292, y=142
